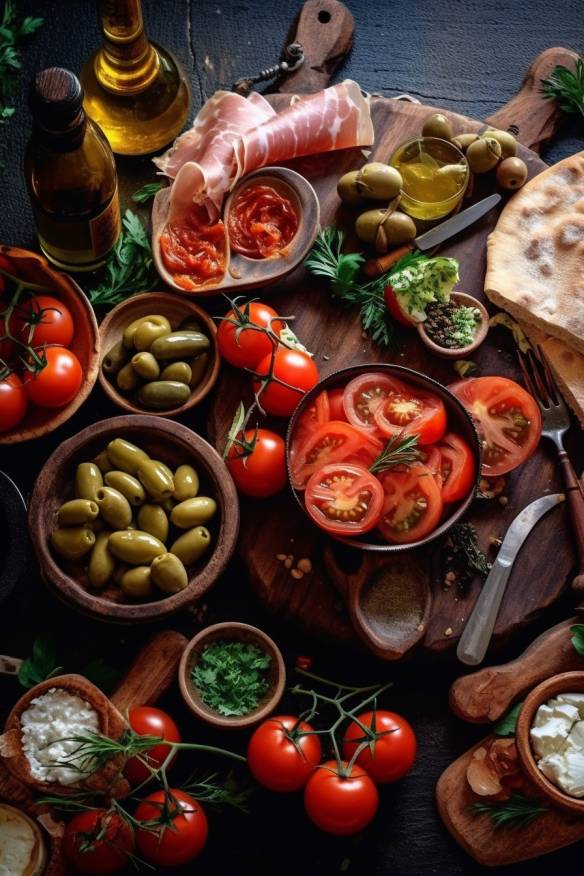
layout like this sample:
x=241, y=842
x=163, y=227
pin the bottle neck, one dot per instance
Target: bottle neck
x=62, y=140
x=127, y=63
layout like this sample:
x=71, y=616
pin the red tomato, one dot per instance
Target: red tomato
x=179, y=842
x=413, y=412
x=344, y=498
x=333, y=442
x=507, y=419
x=97, y=842
x=44, y=321
x=336, y=406
x=280, y=760
x=316, y=414
x=263, y=471
x=390, y=756
x=337, y=804
x=432, y=459
x=457, y=468
x=13, y=402
x=364, y=395
x=59, y=381
x=148, y=721
x=396, y=308
x=244, y=347
x=412, y=506
x=295, y=368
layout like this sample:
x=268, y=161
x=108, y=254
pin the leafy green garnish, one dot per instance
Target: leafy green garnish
x=129, y=268
x=399, y=450
x=231, y=677
x=424, y=282
x=515, y=812
x=578, y=638
x=42, y=663
x=11, y=34
x=147, y=192
x=465, y=367
x=464, y=322
x=567, y=87
x=508, y=723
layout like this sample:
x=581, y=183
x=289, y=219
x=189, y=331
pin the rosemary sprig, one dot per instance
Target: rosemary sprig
x=567, y=87
x=217, y=793
x=400, y=450
x=518, y=811
x=129, y=267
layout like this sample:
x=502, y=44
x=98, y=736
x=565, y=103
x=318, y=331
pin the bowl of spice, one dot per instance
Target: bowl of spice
x=232, y=675
x=454, y=328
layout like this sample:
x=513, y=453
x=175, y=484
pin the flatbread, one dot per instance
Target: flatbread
x=567, y=366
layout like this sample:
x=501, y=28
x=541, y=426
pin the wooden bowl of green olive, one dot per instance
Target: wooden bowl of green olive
x=159, y=354
x=133, y=518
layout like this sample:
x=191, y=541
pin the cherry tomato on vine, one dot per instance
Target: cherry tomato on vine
x=54, y=326
x=344, y=498
x=279, y=760
x=98, y=842
x=148, y=721
x=262, y=472
x=341, y=804
x=58, y=382
x=393, y=753
x=244, y=347
x=13, y=402
x=295, y=368
x=179, y=840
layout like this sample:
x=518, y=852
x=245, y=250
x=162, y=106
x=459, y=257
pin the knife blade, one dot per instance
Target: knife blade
x=477, y=633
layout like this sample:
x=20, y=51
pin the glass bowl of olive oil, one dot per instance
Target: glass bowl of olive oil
x=435, y=175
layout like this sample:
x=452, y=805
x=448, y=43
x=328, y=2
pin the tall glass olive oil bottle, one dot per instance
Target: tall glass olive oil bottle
x=71, y=176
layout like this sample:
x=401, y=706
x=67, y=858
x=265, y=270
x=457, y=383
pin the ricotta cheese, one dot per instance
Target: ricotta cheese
x=21, y=847
x=557, y=737
x=48, y=726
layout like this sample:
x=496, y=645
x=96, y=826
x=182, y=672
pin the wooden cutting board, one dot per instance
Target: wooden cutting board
x=276, y=526
x=485, y=696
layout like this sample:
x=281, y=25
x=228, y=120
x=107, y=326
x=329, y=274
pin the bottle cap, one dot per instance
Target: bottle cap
x=56, y=98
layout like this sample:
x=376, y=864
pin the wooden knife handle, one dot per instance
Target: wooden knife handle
x=151, y=672
x=576, y=505
x=377, y=267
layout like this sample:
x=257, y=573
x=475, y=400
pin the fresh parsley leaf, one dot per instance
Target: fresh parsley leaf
x=147, y=192
x=231, y=677
x=567, y=87
x=508, y=723
x=42, y=663
x=517, y=811
x=578, y=638
x=129, y=268
x=12, y=34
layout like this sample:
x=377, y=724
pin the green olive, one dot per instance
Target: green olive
x=96, y=525
x=115, y=358
x=192, y=324
x=437, y=125
x=379, y=181
x=367, y=225
x=156, y=480
x=102, y=462
x=484, y=154
x=383, y=230
x=169, y=573
x=512, y=173
x=77, y=511
x=190, y=546
x=507, y=142
x=127, y=379
x=125, y=456
x=74, y=542
x=135, y=546
x=347, y=189
x=193, y=512
x=180, y=371
x=149, y=329
x=114, y=507
x=198, y=367
x=463, y=141
x=167, y=505
x=119, y=571
x=153, y=519
x=137, y=583
x=146, y=366
x=129, y=332
x=186, y=483
x=101, y=562
x=179, y=345
x=166, y=468
x=161, y=395
x=88, y=480
x=127, y=485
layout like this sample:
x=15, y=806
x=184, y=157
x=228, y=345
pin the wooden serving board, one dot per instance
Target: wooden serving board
x=485, y=696
x=276, y=526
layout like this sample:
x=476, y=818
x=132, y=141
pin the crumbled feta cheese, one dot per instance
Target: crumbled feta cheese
x=575, y=699
x=557, y=736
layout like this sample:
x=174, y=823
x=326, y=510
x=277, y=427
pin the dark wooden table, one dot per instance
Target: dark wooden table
x=469, y=57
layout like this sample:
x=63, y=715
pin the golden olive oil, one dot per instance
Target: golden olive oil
x=435, y=175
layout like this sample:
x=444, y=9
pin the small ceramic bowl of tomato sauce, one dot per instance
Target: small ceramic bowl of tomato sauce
x=382, y=457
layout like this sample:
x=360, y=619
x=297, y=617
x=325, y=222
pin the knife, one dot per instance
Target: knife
x=477, y=633
x=435, y=237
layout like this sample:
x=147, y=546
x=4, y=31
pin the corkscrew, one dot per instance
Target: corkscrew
x=293, y=58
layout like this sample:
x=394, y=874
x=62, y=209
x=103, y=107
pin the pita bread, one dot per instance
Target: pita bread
x=535, y=255
x=567, y=365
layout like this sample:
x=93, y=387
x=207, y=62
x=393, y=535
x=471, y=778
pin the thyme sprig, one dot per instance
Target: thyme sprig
x=516, y=812
x=400, y=450
x=567, y=87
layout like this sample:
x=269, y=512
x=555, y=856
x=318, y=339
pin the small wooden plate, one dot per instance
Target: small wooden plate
x=176, y=309
x=481, y=332
x=34, y=268
x=231, y=631
x=242, y=272
x=173, y=444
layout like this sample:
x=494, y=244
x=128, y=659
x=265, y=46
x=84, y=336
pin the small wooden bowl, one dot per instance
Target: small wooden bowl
x=173, y=444
x=565, y=682
x=480, y=334
x=241, y=633
x=34, y=268
x=176, y=309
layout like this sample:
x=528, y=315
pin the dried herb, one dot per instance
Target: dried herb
x=231, y=677
x=465, y=367
x=463, y=558
x=567, y=87
x=42, y=663
x=518, y=811
x=147, y=192
x=578, y=638
x=508, y=723
x=400, y=450
x=129, y=268
x=12, y=34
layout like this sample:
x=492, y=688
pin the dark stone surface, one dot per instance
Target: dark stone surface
x=468, y=56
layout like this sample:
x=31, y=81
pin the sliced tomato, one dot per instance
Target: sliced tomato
x=334, y=441
x=396, y=309
x=364, y=396
x=432, y=459
x=316, y=414
x=344, y=498
x=412, y=506
x=507, y=419
x=336, y=406
x=457, y=467
x=412, y=412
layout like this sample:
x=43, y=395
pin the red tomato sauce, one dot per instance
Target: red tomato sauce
x=261, y=222
x=194, y=253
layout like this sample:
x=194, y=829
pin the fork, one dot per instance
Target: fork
x=555, y=421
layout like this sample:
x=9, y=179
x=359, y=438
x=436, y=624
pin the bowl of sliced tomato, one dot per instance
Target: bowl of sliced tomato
x=382, y=457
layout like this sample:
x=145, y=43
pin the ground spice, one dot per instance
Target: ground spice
x=450, y=325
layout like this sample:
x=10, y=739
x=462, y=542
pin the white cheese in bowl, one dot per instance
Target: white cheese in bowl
x=48, y=726
x=557, y=738
x=22, y=850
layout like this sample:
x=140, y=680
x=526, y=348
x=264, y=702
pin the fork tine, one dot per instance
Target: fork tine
x=549, y=377
x=523, y=365
x=536, y=369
